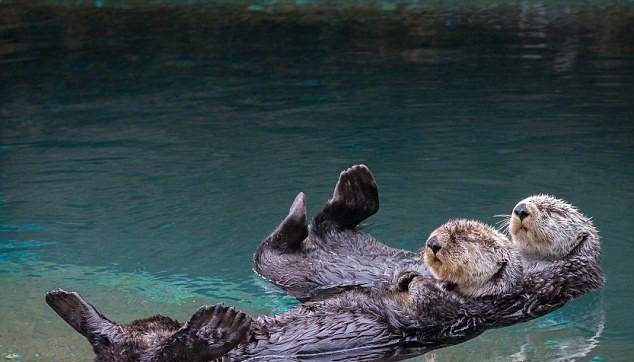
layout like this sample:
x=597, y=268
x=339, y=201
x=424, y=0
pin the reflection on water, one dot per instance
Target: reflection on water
x=145, y=150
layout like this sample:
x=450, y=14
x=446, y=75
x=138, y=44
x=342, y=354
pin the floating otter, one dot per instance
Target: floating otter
x=331, y=255
x=210, y=333
x=419, y=314
x=357, y=324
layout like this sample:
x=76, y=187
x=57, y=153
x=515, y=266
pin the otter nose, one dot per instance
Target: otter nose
x=433, y=244
x=521, y=211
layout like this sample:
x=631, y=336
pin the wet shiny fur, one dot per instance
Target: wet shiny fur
x=210, y=333
x=416, y=315
x=330, y=255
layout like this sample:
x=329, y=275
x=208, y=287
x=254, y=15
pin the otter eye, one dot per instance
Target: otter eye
x=582, y=236
x=557, y=212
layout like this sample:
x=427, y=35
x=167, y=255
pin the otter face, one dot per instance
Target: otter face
x=473, y=256
x=545, y=227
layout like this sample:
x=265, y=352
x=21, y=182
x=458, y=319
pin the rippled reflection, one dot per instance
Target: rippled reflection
x=145, y=150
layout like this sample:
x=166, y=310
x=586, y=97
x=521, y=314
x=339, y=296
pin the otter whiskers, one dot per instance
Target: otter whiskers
x=504, y=224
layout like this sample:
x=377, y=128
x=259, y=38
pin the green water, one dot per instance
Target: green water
x=145, y=150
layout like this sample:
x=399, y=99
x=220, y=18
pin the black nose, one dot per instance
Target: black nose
x=521, y=211
x=432, y=243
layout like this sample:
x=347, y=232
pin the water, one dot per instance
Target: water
x=145, y=150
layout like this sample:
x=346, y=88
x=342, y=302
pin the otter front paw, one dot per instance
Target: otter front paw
x=403, y=280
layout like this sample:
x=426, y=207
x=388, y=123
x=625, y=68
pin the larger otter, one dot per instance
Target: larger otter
x=419, y=314
x=330, y=255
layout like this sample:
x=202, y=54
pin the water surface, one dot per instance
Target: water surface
x=145, y=150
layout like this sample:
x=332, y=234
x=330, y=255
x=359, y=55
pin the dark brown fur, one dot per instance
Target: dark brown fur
x=331, y=255
x=210, y=333
x=417, y=315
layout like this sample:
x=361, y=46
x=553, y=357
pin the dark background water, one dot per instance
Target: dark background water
x=146, y=148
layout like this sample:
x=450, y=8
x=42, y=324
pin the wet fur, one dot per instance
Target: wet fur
x=425, y=311
x=329, y=256
x=416, y=316
x=210, y=333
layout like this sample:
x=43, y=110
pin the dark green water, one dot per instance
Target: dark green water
x=146, y=150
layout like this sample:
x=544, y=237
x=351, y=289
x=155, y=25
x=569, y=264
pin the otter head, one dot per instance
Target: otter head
x=545, y=227
x=472, y=257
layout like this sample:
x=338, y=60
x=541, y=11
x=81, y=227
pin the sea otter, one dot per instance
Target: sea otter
x=419, y=314
x=331, y=255
x=363, y=324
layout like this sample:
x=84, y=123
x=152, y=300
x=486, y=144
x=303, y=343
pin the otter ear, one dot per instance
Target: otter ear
x=83, y=317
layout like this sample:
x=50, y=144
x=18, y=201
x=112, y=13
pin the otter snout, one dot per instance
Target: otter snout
x=433, y=244
x=521, y=211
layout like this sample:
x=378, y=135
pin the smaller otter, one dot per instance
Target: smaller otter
x=210, y=333
x=357, y=324
x=472, y=258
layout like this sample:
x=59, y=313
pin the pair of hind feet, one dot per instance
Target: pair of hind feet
x=354, y=199
x=210, y=333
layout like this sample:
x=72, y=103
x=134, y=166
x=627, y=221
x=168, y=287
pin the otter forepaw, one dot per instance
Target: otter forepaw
x=403, y=280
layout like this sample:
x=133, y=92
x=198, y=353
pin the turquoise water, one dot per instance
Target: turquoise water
x=145, y=150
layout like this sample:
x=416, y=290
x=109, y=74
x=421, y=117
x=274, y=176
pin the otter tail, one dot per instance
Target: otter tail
x=354, y=199
x=83, y=317
x=209, y=334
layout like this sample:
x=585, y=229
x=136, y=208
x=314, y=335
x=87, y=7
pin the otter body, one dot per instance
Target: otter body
x=418, y=314
x=330, y=255
x=415, y=315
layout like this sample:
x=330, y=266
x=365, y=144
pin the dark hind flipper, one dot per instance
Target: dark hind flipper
x=354, y=199
x=83, y=317
x=293, y=229
x=210, y=333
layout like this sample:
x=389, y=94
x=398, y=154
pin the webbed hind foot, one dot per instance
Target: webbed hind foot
x=293, y=229
x=354, y=199
x=210, y=333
